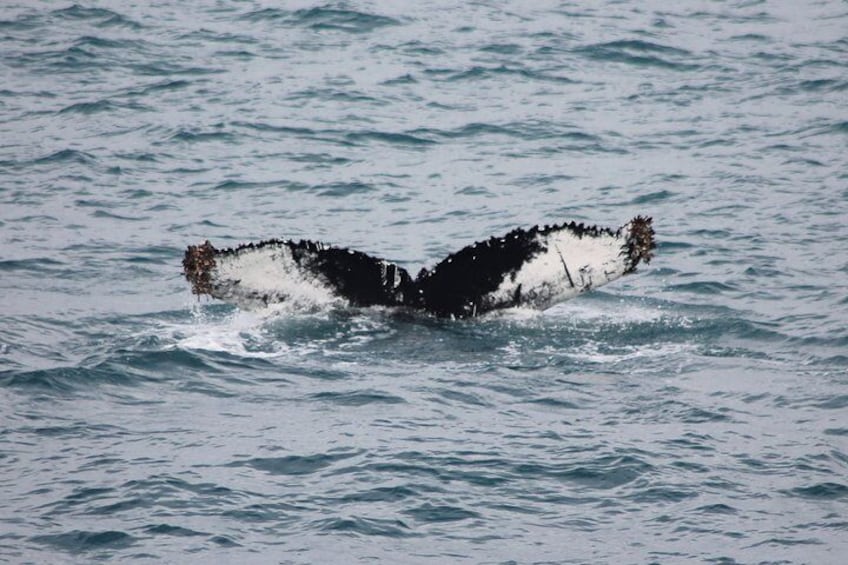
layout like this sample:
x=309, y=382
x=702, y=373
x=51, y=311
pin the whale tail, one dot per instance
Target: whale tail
x=537, y=267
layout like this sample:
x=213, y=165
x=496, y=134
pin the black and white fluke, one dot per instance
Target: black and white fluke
x=535, y=267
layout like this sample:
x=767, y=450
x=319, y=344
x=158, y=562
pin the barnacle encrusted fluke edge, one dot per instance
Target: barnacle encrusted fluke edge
x=535, y=267
x=640, y=242
x=198, y=263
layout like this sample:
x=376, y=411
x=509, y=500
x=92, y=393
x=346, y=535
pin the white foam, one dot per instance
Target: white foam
x=622, y=312
x=515, y=314
x=232, y=333
x=592, y=352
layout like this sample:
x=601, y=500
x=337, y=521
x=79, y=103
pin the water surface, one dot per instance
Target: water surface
x=693, y=412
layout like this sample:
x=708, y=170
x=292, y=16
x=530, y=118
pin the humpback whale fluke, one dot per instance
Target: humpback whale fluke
x=537, y=267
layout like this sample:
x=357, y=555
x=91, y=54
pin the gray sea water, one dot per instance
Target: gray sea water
x=696, y=411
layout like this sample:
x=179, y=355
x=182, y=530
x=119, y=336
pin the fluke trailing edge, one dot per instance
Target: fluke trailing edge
x=536, y=267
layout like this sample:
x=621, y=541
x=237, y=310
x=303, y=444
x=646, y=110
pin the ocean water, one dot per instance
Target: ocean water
x=696, y=411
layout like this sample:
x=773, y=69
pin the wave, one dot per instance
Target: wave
x=323, y=19
x=365, y=526
x=527, y=130
x=478, y=72
x=387, y=137
x=294, y=464
x=195, y=136
x=77, y=541
x=357, y=398
x=67, y=156
x=640, y=53
x=101, y=17
x=105, y=105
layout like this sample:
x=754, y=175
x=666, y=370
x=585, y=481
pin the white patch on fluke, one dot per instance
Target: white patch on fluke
x=269, y=274
x=572, y=263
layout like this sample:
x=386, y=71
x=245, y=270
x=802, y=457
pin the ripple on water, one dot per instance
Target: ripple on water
x=80, y=541
x=821, y=491
x=430, y=513
x=357, y=398
x=171, y=530
x=293, y=464
x=640, y=53
x=102, y=16
x=323, y=19
x=366, y=526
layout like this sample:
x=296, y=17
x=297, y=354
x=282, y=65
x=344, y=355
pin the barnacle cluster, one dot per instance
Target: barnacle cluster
x=199, y=260
x=640, y=242
x=579, y=230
